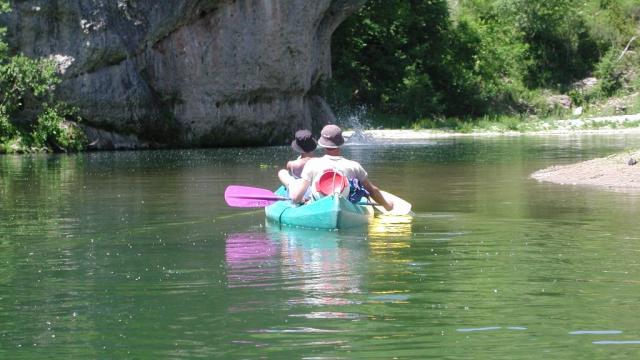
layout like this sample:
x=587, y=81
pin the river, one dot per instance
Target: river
x=135, y=255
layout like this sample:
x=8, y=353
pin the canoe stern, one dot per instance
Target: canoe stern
x=330, y=212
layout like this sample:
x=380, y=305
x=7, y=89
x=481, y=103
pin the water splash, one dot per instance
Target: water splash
x=357, y=121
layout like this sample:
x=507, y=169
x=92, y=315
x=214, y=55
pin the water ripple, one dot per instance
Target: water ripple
x=303, y=330
x=489, y=328
x=595, y=332
x=329, y=315
x=480, y=329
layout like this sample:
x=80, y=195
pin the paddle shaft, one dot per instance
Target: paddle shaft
x=261, y=197
x=246, y=196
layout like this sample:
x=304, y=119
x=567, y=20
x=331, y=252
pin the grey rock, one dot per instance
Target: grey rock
x=187, y=72
x=563, y=101
x=585, y=84
x=99, y=139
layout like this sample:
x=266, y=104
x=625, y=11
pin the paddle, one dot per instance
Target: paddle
x=400, y=206
x=252, y=197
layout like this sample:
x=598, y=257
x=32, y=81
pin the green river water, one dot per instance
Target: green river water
x=134, y=255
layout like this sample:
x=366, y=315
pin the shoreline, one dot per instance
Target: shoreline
x=427, y=134
x=617, y=172
x=585, y=126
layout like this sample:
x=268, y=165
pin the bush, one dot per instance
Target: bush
x=24, y=79
x=7, y=129
x=419, y=98
x=53, y=131
x=391, y=56
x=609, y=73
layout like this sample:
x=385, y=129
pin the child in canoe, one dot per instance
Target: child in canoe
x=304, y=144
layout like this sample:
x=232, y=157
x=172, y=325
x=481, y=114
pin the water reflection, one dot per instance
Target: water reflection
x=317, y=267
x=391, y=226
x=250, y=259
x=320, y=264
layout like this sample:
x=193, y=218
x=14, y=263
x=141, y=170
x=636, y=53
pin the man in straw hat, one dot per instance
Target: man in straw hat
x=331, y=139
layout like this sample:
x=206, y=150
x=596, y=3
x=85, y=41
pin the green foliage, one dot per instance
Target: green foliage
x=418, y=96
x=423, y=59
x=7, y=129
x=390, y=50
x=411, y=58
x=612, y=22
x=20, y=77
x=498, y=61
x=485, y=123
x=25, y=80
x=560, y=46
x=51, y=130
x=609, y=73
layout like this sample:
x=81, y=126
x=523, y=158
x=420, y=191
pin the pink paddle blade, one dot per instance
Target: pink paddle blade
x=252, y=197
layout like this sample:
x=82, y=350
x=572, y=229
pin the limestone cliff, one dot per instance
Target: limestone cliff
x=187, y=72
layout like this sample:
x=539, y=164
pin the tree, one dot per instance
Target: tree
x=394, y=55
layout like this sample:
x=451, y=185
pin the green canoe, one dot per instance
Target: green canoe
x=330, y=212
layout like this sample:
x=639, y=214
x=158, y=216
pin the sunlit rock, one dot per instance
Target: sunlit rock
x=189, y=72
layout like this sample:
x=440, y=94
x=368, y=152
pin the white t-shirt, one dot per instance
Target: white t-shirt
x=351, y=169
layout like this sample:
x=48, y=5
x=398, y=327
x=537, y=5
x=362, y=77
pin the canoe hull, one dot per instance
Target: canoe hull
x=330, y=212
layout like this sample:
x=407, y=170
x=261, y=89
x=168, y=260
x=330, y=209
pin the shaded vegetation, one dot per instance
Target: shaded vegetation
x=468, y=59
x=25, y=80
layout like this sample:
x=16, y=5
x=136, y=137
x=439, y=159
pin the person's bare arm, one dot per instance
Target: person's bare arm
x=376, y=195
x=296, y=163
x=284, y=177
x=290, y=165
x=297, y=190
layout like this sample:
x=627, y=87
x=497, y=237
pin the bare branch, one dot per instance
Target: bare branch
x=626, y=48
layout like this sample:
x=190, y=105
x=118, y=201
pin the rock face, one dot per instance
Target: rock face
x=187, y=72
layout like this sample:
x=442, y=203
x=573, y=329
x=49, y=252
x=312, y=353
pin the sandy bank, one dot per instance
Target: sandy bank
x=612, y=171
